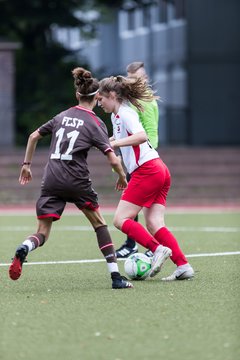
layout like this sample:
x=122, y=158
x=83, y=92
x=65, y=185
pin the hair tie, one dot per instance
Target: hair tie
x=90, y=94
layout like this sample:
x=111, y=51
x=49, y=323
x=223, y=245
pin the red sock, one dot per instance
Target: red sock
x=166, y=238
x=138, y=233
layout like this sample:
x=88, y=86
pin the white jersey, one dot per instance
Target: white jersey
x=125, y=123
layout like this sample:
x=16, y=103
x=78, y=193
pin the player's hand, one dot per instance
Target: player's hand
x=25, y=175
x=113, y=144
x=121, y=183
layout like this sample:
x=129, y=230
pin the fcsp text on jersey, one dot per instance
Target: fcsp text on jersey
x=72, y=122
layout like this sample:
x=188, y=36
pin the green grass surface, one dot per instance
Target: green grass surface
x=68, y=311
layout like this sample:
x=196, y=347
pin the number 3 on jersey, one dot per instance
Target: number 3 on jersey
x=72, y=136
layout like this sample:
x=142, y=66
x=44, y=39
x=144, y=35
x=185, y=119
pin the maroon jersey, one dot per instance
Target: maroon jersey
x=74, y=132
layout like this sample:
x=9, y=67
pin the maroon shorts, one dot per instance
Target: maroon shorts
x=52, y=205
x=149, y=184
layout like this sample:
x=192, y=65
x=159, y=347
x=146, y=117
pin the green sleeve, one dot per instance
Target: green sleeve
x=149, y=119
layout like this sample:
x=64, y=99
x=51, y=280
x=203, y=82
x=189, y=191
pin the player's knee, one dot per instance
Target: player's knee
x=117, y=222
x=150, y=228
x=153, y=226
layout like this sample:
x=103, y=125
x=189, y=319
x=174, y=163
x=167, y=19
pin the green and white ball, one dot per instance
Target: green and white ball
x=138, y=266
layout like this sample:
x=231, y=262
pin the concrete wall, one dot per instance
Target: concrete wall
x=162, y=47
x=214, y=71
x=194, y=63
x=7, y=104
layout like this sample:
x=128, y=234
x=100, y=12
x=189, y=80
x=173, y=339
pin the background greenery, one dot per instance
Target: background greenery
x=44, y=84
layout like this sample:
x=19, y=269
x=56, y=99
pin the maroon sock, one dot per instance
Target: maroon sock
x=36, y=240
x=105, y=243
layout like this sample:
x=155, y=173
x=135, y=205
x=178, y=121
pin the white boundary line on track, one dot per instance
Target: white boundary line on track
x=103, y=260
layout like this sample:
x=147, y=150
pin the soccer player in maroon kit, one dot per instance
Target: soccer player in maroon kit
x=150, y=178
x=66, y=175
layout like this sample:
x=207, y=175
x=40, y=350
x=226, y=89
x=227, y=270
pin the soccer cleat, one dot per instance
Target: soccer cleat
x=183, y=272
x=124, y=251
x=121, y=283
x=160, y=255
x=15, y=268
x=149, y=253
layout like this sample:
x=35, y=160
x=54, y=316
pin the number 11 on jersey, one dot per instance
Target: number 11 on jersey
x=72, y=136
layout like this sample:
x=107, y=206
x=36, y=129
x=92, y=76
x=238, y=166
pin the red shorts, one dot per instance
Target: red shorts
x=149, y=184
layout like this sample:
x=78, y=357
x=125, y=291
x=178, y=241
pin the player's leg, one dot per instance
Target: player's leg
x=129, y=246
x=106, y=247
x=154, y=217
x=48, y=208
x=123, y=220
x=31, y=243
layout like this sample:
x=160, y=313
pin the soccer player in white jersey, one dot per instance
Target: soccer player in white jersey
x=150, y=178
x=149, y=119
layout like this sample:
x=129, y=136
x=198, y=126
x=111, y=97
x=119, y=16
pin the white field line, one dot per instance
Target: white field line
x=227, y=229
x=103, y=260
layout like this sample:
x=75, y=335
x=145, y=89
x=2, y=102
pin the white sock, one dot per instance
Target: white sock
x=112, y=267
x=29, y=244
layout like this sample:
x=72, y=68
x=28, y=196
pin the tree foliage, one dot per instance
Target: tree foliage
x=44, y=83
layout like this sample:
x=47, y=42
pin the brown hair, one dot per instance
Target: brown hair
x=86, y=86
x=134, y=66
x=128, y=89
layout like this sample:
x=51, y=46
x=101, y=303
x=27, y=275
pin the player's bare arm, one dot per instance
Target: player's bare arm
x=131, y=140
x=25, y=173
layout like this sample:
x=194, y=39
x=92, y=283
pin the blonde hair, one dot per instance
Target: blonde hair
x=134, y=66
x=128, y=89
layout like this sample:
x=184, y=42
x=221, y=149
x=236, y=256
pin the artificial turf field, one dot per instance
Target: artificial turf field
x=59, y=311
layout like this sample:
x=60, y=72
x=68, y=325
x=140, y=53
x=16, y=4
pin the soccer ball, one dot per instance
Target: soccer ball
x=137, y=266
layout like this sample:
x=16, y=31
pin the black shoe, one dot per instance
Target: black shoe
x=124, y=251
x=149, y=253
x=15, y=268
x=121, y=283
